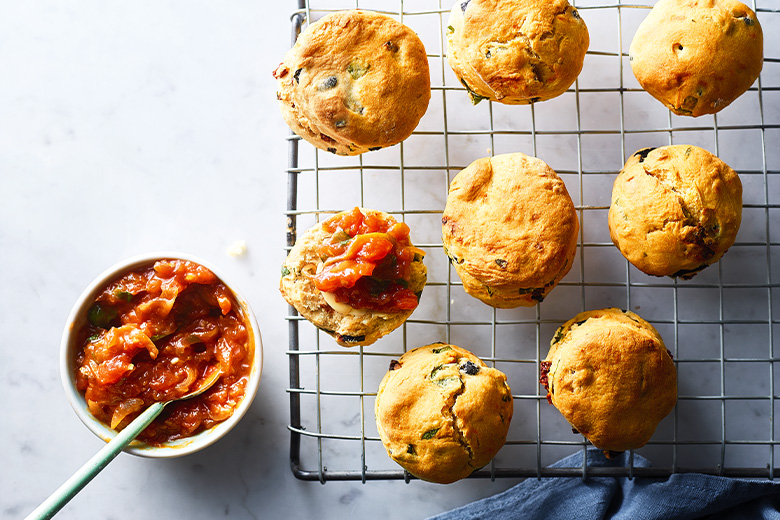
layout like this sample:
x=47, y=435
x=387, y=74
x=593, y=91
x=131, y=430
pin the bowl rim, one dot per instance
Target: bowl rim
x=76, y=399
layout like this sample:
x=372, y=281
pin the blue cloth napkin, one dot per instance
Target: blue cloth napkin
x=682, y=496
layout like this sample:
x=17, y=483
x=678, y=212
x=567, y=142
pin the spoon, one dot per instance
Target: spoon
x=100, y=460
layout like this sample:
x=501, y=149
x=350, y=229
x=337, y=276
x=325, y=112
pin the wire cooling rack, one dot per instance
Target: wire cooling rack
x=720, y=326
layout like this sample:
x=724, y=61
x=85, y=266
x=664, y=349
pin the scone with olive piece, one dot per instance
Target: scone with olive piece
x=675, y=210
x=442, y=413
x=510, y=229
x=516, y=51
x=697, y=56
x=356, y=276
x=354, y=81
x=611, y=377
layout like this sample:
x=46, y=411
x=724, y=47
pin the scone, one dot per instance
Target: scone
x=611, y=377
x=675, y=210
x=516, y=51
x=697, y=56
x=354, y=81
x=356, y=276
x=442, y=413
x=510, y=229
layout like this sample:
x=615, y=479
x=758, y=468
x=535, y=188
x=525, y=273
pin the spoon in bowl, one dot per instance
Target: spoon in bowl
x=100, y=460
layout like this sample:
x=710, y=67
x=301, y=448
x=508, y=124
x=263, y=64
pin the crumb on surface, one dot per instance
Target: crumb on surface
x=237, y=249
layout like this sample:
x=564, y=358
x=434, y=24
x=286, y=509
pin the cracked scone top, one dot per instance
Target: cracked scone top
x=611, y=377
x=510, y=229
x=697, y=56
x=354, y=81
x=516, y=51
x=675, y=210
x=442, y=413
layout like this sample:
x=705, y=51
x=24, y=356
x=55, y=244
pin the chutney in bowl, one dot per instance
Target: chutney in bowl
x=151, y=329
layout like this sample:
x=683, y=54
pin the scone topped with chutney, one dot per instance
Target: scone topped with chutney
x=356, y=276
x=355, y=81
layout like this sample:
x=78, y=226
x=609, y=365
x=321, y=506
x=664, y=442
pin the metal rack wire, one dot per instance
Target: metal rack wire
x=720, y=326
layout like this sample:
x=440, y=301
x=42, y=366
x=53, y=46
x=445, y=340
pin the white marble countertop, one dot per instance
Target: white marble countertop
x=134, y=127
x=130, y=127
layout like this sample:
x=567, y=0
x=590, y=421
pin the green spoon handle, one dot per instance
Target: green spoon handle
x=95, y=465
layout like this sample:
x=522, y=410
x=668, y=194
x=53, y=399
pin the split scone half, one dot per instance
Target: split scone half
x=697, y=56
x=356, y=276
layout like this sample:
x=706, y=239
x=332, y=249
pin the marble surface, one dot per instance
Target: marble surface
x=130, y=127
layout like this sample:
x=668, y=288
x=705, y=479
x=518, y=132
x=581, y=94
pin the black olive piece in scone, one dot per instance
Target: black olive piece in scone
x=612, y=378
x=516, y=51
x=354, y=81
x=442, y=413
x=356, y=276
x=675, y=210
x=510, y=229
x=697, y=56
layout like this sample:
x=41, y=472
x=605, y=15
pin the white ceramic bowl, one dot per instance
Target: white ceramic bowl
x=69, y=348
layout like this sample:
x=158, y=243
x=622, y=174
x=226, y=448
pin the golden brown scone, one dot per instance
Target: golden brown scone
x=510, y=229
x=610, y=375
x=442, y=413
x=516, y=51
x=337, y=311
x=697, y=56
x=354, y=81
x=675, y=210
